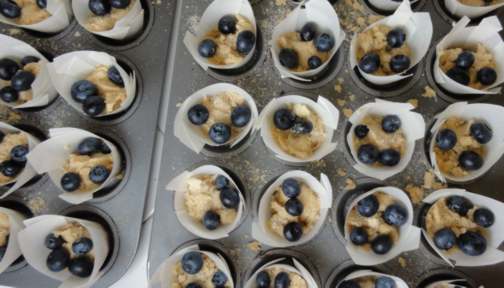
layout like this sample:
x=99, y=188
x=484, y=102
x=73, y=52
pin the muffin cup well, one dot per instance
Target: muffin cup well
x=418, y=29
x=460, y=10
x=399, y=283
x=388, y=5
x=320, y=12
x=13, y=251
x=486, y=33
x=50, y=156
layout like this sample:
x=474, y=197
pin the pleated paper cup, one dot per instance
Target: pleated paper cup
x=178, y=186
x=190, y=135
x=288, y=264
x=399, y=283
x=454, y=283
x=51, y=155
x=418, y=29
x=492, y=115
x=13, y=251
x=28, y=172
x=74, y=66
x=412, y=125
x=42, y=88
x=209, y=20
x=260, y=228
x=126, y=27
x=324, y=109
x=321, y=13
x=495, y=237
x=31, y=241
x=461, y=35
x=409, y=235
x=460, y=10
x=388, y=5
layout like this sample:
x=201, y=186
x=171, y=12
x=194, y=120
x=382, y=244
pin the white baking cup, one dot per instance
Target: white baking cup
x=418, y=29
x=409, y=235
x=319, y=12
x=260, y=228
x=494, y=238
x=412, y=125
x=28, y=172
x=460, y=10
x=455, y=283
x=42, y=88
x=126, y=27
x=178, y=186
x=209, y=20
x=190, y=134
x=324, y=109
x=461, y=35
x=492, y=115
x=162, y=278
x=399, y=283
x=15, y=225
x=388, y=5
x=74, y=66
x=31, y=241
x=51, y=155
x=297, y=268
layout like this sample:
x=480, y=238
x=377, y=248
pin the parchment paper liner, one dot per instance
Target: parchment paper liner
x=320, y=12
x=127, y=26
x=364, y=273
x=191, y=136
x=28, y=172
x=260, y=230
x=492, y=115
x=13, y=251
x=31, y=241
x=461, y=35
x=61, y=14
x=409, y=235
x=388, y=5
x=418, y=29
x=494, y=238
x=460, y=10
x=412, y=125
x=162, y=278
x=42, y=88
x=209, y=20
x=297, y=268
x=50, y=156
x=74, y=66
x=178, y=186
x=455, y=283
x=324, y=109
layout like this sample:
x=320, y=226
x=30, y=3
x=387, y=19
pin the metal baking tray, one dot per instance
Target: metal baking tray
x=121, y=208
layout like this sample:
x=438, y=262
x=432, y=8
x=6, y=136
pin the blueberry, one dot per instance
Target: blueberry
x=314, y=62
x=193, y=285
x=470, y=160
x=349, y=284
x=359, y=236
x=486, y=76
x=198, y=114
x=446, y=139
x=395, y=215
x=445, y=239
x=302, y=126
x=472, y=243
x=284, y=119
x=219, y=279
x=245, y=42
x=324, y=42
x=94, y=105
x=219, y=133
x=207, y=48
x=81, y=266
x=99, y=7
x=291, y=187
x=119, y=4
x=288, y=58
x=399, y=63
x=389, y=157
x=282, y=280
x=361, y=131
x=70, y=181
x=263, y=280
x=229, y=197
x=396, y=38
x=458, y=75
x=192, y=262
x=92, y=145
x=52, y=242
x=42, y=4
x=308, y=31
x=211, y=220
x=483, y=217
x=9, y=9
x=114, y=76
x=464, y=60
x=10, y=168
x=221, y=182
x=30, y=59
x=19, y=152
x=83, y=89
x=58, y=259
x=368, y=206
x=294, y=207
x=8, y=94
x=240, y=116
x=82, y=246
x=22, y=80
x=381, y=244
x=391, y=123
x=8, y=68
x=384, y=282
x=370, y=62
x=367, y=154
x=459, y=204
x=481, y=132
x=293, y=231
x=99, y=174
x=227, y=24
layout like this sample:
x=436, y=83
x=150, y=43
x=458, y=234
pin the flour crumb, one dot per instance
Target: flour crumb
x=280, y=2
x=341, y=172
x=347, y=112
x=350, y=184
x=429, y=92
x=254, y=246
x=402, y=262
x=416, y=193
x=341, y=102
x=351, y=97
x=430, y=181
x=413, y=102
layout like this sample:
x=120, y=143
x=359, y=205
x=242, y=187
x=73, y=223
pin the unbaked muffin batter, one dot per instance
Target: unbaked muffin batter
x=480, y=2
x=4, y=229
x=31, y=13
x=10, y=141
x=113, y=94
x=304, y=49
x=107, y=22
x=296, y=281
x=82, y=165
x=72, y=232
x=204, y=277
x=365, y=282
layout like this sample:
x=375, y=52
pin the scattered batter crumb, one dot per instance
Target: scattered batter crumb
x=341, y=102
x=280, y=2
x=430, y=181
x=351, y=97
x=429, y=92
x=350, y=184
x=254, y=246
x=37, y=204
x=402, y=262
x=14, y=31
x=347, y=112
x=77, y=34
x=413, y=102
x=416, y=193
x=341, y=172
x=338, y=88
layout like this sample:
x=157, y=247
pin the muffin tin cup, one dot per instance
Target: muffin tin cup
x=12, y=252
x=355, y=273
x=342, y=270
x=387, y=7
x=445, y=276
x=458, y=9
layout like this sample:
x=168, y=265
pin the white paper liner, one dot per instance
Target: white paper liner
x=127, y=26
x=297, y=268
x=13, y=251
x=28, y=172
x=190, y=135
x=388, y=5
x=51, y=155
x=494, y=238
x=418, y=29
x=460, y=10
x=74, y=66
x=409, y=235
x=324, y=109
x=461, y=35
x=163, y=276
x=449, y=284
x=399, y=283
x=209, y=20
x=318, y=11
x=42, y=88
x=492, y=115
x=412, y=125
x=178, y=186
x=31, y=241
x=260, y=228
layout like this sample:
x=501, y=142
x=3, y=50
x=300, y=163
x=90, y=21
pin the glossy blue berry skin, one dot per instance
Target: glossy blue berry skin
x=245, y=42
x=10, y=168
x=399, y=63
x=99, y=7
x=83, y=89
x=193, y=285
x=207, y=48
x=198, y=114
x=22, y=80
x=385, y=282
x=283, y=119
x=396, y=38
x=470, y=160
x=446, y=139
x=219, y=133
x=486, y=76
x=18, y=153
x=211, y=220
x=227, y=24
x=99, y=174
x=282, y=280
x=389, y=157
x=349, y=284
x=369, y=63
x=8, y=68
x=119, y=4
x=302, y=126
x=361, y=131
x=82, y=246
x=229, y=197
x=70, y=181
x=324, y=42
x=459, y=204
x=445, y=239
x=219, y=279
x=308, y=31
x=294, y=207
x=359, y=236
x=367, y=154
x=52, y=242
x=481, y=132
x=91, y=145
x=58, y=259
x=293, y=231
x=472, y=243
x=395, y=215
x=240, y=116
x=288, y=58
x=9, y=9
x=93, y=105
x=8, y=94
x=263, y=280
x=221, y=182
x=30, y=59
x=192, y=262
x=391, y=123
x=114, y=76
x=464, y=60
x=484, y=217
x=458, y=75
x=291, y=187
x=381, y=245
x=81, y=266
x=42, y=4
x=314, y=62
x=368, y=206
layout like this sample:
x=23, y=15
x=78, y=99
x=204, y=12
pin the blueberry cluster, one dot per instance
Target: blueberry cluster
x=192, y=263
x=368, y=153
x=10, y=9
x=471, y=243
x=284, y=119
x=371, y=62
x=81, y=265
x=394, y=215
x=20, y=80
x=13, y=166
x=263, y=280
x=103, y=7
x=460, y=72
x=291, y=188
x=229, y=197
x=71, y=181
x=380, y=282
x=86, y=93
